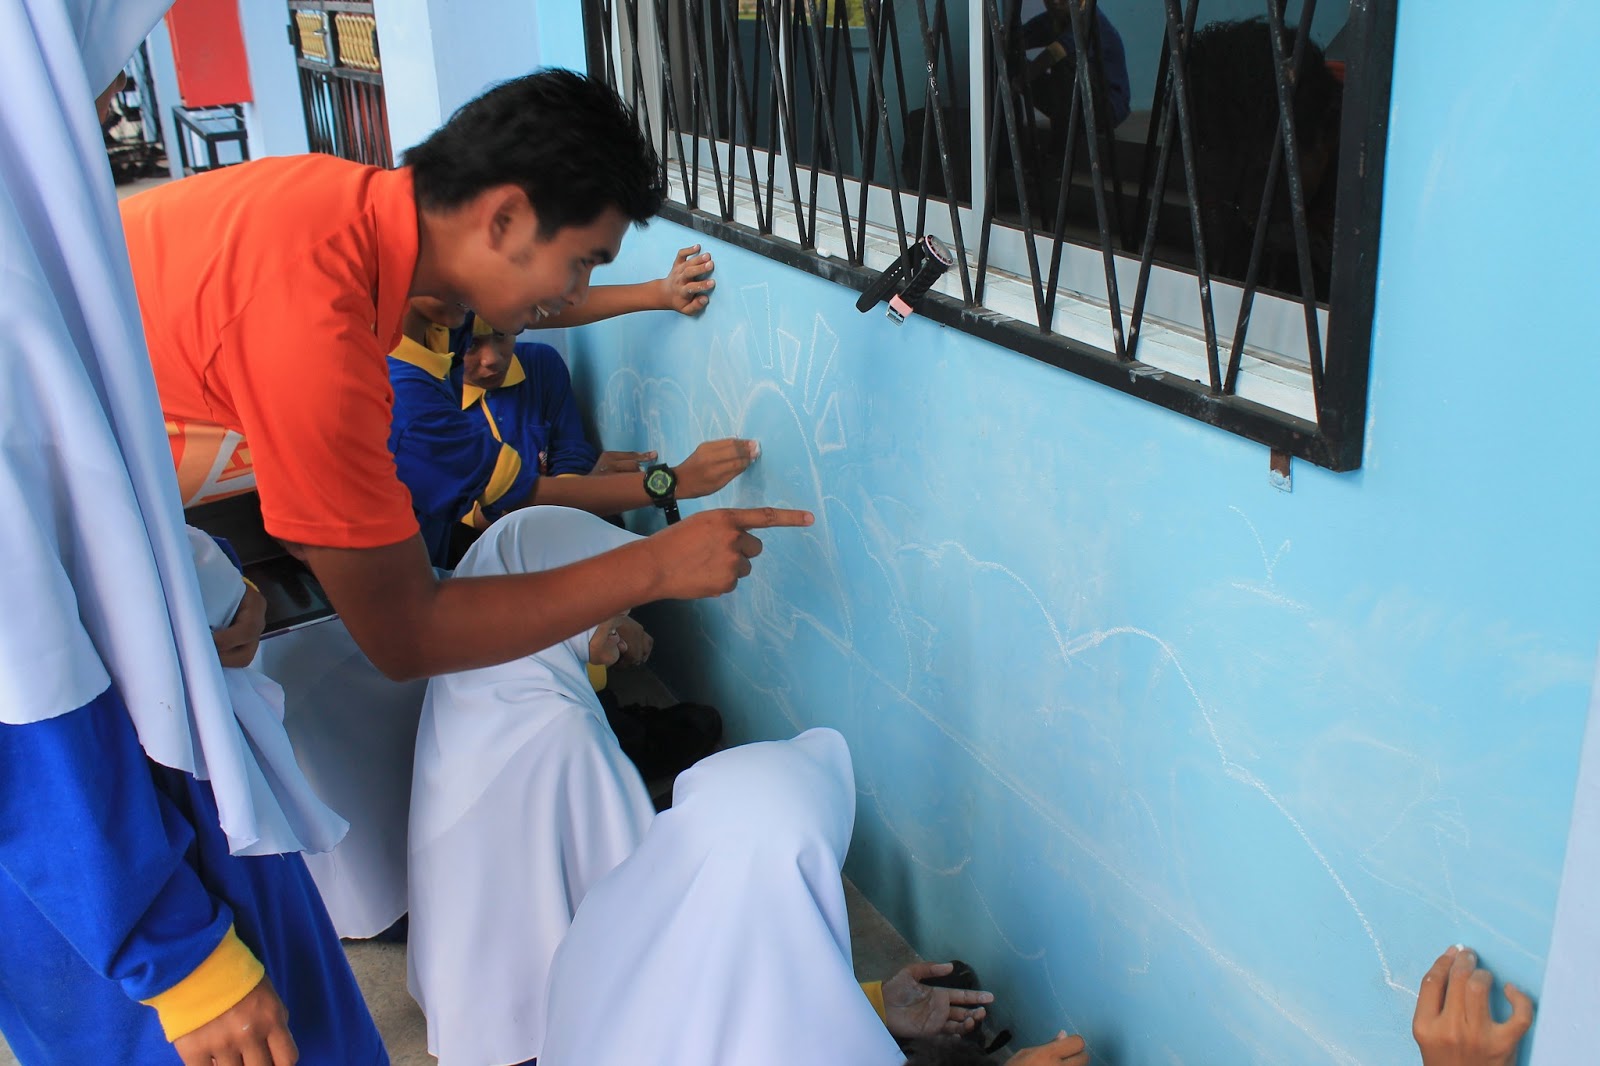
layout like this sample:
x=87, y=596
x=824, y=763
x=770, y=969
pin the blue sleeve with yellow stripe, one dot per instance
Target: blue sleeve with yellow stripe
x=93, y=854
x=551, y=402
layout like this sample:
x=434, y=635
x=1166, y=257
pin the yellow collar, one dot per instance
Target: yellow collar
x=438, y=338
x=515, y=375
x=409, y=351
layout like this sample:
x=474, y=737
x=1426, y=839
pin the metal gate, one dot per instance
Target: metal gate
x=341, y=79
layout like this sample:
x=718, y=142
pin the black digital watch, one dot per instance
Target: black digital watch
x=661, y=485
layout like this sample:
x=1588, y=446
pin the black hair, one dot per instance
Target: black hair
x=1233, y=83
x=566, y=139
x=945, y=1051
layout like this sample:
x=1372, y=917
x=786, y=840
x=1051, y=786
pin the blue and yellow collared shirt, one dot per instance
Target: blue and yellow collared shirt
x=445, y=456
x=535, y=412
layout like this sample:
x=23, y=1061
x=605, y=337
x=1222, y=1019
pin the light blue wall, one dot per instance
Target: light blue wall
x=438, y=54
x=1206, y=770
x=274, y=119
x=410, y=74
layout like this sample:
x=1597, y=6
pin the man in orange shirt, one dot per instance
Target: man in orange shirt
x=272, y=292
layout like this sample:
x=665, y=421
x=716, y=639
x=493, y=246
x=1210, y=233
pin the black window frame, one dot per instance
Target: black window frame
x=342, y=98
x=1339, y=378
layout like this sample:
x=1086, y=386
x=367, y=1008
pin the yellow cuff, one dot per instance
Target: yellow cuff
x=506, y=469
x=570, y=475
x=227, y=976
x=597, y=676
x=874, y=991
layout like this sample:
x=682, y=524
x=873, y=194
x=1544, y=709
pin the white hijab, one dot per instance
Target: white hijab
x=97, y=571
x=521, y=801
x=456, y=716
x=723, y=940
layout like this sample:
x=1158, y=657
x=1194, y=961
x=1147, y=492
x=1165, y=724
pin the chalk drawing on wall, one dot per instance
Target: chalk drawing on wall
x=769, y=613
x=886, y=614
x=830, y=430
x=789, y=355
x=819, y=359
x=758, y=310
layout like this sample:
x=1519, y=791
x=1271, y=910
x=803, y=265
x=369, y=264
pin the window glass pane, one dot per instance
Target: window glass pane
x=1232, y=105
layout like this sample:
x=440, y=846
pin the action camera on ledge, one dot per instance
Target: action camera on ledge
x=908, y=279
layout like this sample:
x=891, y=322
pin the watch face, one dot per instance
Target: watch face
x=660, y=483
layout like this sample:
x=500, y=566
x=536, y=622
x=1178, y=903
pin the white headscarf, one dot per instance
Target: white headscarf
x=99, y=579
x=456, y=714
x=521, y=801
x=723, y=940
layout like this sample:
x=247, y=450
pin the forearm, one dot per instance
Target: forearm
x=412, y=625
x=601, y=494
x=609, y=301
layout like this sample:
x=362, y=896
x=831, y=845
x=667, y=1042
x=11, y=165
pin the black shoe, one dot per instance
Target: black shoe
x=625, y=722
x=662, y=742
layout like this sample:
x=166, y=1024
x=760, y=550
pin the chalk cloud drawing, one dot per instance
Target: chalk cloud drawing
x=1106, y=764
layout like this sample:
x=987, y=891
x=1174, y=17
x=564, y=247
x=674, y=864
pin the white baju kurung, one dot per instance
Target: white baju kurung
x=353, y=732
x=723, y=940
x=521, y=800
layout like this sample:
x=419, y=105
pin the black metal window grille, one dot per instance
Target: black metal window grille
x=341, y=79
x=1215, y=253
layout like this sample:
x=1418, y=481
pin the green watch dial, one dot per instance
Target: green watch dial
x=660, y=483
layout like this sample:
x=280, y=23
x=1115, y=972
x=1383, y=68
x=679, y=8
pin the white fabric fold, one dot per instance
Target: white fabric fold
x=521, y=799
x=93, y=556
x=353, y=732
x=723, y=940
x=290, y=815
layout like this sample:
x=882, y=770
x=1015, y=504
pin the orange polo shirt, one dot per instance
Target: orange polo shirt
x=271, y=294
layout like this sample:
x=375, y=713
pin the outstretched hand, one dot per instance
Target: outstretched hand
x=622, y=462
x=687, y=287
x=1064, y=1050
x=254, y=1031
x=913, y=1009
x=706, y=554
x=1454, y=1025
x=714, y=464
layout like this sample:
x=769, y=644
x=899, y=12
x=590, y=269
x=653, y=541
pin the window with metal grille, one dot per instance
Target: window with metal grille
x=1177, y=198
x=341, y=79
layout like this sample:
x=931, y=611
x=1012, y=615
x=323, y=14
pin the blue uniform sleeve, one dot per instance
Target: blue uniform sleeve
x=91, y=842
x=443, y=455
x=570, y=451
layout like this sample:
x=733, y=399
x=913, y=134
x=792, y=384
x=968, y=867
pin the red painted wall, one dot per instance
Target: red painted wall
x=208, y=49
